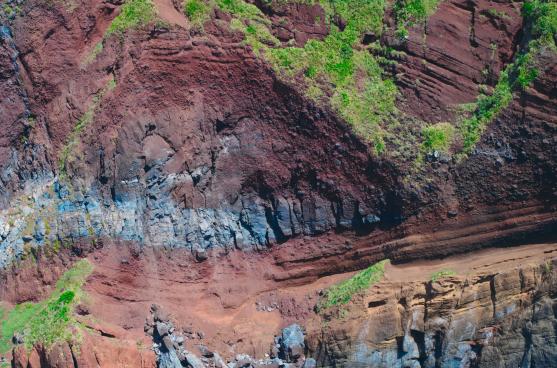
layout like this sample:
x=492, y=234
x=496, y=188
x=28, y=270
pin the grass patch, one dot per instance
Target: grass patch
x=437, y=137
x=360, y=15
x=441, y=274
x=338, y=69
x=134, y=13
x=48, y=321
x=345, y=71
x=197, y=11
x=342, y=293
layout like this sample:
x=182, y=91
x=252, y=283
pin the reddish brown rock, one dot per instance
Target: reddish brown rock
x=435, y=75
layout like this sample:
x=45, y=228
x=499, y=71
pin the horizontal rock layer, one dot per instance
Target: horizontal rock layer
x=486, y=319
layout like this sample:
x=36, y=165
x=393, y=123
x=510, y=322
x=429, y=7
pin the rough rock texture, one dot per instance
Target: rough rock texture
x=192, y=141
x=97, y=349
x=436, y=75
x=487, y=319
x=200, y=180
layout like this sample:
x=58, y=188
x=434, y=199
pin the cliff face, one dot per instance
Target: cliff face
x=184, y=146
x=503, y=317
x=162, y=134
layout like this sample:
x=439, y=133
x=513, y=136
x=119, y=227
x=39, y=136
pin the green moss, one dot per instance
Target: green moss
x=343, y=292
x=111, y=84
x=93, y=54
x=47, y=229
x=498, y=14
x=48, y=321
x=134, y=13
x=56, y=245
x=441, y=274
x=80, y=125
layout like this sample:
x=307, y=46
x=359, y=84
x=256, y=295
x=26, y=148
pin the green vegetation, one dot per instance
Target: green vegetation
x=498, y=14
x=246, y=18
x=48, y=321
x=339, y=68
x=547, y=268
x=343, y=69
x=240, y=9
x=360, y=15
x=441, y=274
x=249, y=20
x=197, y=11
x=487, y=108
x=343, y=292
x=542, y=15
x=348, y=75
x=134, y=13
x=437, y=137
x=410, y=12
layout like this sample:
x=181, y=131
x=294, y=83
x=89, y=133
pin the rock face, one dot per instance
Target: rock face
x=93, y=351
x=436, y=75
x=171, y=155
x=196, y=177
x=488, y=319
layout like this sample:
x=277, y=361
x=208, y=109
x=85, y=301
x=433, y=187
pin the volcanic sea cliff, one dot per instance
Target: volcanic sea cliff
x=278, y=183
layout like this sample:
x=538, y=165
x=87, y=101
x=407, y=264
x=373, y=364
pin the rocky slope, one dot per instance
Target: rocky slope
x=195, y=172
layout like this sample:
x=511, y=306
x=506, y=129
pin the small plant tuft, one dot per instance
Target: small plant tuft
x=441, y=274
x=437, y=137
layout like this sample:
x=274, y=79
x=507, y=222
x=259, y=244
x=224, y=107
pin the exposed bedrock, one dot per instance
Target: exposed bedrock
x=192, y=176
x=435, y=74
x=198, y=145
x=488, y=319
x=497, y=310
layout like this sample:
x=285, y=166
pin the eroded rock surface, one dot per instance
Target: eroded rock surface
x=489, y=319
x=196, y=177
